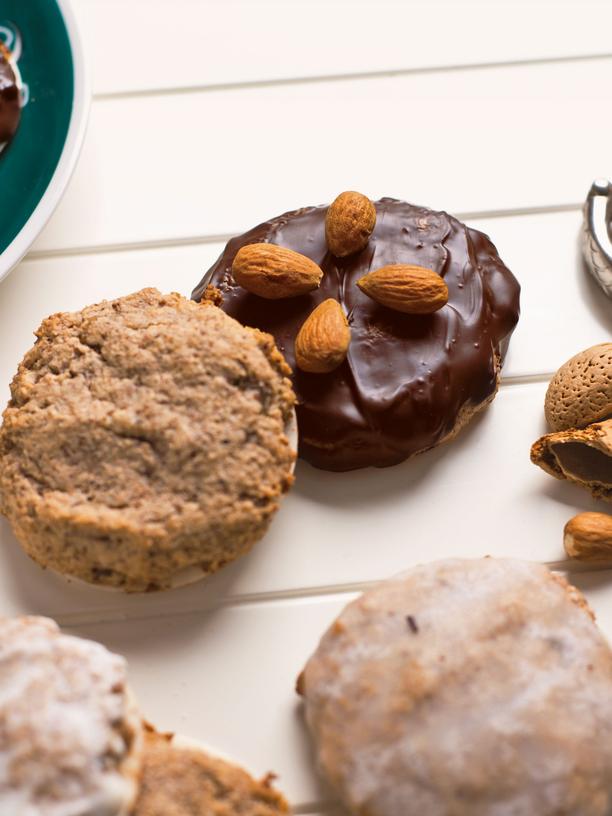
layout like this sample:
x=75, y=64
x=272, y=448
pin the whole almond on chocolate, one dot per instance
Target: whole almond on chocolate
x=323, y=341
x=275, y=272
x=406, y=288
x=588, y=537
x=349, y=222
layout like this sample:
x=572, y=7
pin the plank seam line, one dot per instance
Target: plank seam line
x=526, y=379
x=388, y=73
x=222, y=238
x=118, y=615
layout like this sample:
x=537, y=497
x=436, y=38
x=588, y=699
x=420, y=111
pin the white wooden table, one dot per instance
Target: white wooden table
x=208, y=117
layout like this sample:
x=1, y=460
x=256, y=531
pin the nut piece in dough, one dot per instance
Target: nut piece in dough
x=70, y=734
x=181, y=779
x=465, y=688
x=581, y=391
x=583, y=457
x=145, y=440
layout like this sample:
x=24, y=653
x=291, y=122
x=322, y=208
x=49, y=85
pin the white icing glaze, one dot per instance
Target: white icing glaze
x=64, y=711
x=493, y=700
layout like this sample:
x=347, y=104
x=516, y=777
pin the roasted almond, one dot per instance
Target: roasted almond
x=274, y=272
x=406, y=288
x=588, y=537
x=349, y=223
x=323, y=341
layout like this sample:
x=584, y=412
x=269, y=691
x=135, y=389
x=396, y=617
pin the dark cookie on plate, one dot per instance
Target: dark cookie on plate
x=428, y=303
x=10, y=97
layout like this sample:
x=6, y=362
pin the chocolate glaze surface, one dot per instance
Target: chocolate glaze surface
x=408, y=380
x=10, y=103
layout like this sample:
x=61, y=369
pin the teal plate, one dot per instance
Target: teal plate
x=36, y=165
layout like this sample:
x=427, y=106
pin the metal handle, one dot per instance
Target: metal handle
x=596, y=243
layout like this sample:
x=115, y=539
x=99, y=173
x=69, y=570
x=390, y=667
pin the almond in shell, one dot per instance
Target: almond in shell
x=322, y=343
x=581, y=391
x=406, y=288
x=581, y=455
x=274, y=272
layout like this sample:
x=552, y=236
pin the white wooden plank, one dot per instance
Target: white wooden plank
x=563, y=310
x=228, y=678
x=217, y=163
x=151, y=44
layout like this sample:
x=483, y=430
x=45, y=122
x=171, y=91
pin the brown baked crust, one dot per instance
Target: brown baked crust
x=188, y=782
x=144, y=436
